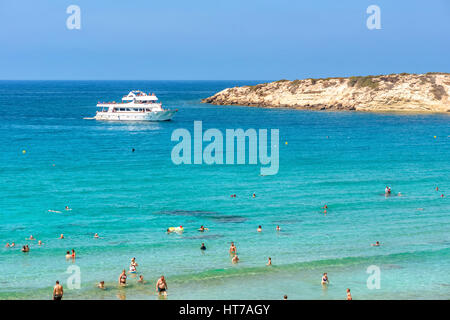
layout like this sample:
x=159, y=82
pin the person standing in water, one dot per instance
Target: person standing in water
x=58, y=291
x=235, y=259
x=123, y=278
x=349, y=295
x=203, y=247
x=259, y=229
x=232, y=248
x=269, y=262
x=161, y=286
x=133, y=263
x=325, y=280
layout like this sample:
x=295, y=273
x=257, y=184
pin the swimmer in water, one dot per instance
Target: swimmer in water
x=202, y=228
x=13, y=245
x=233, y=248
x=61, y=236
x=26, y=248
x=96, y=236
x=68, y=255
x=349, y=295
x=254, y=195
x=7, y=245
x=269, y=262
x=123, y=278
x=203, y=247
x=278, y=228
x=285, y=297
x=31, y=238
x=73, y=254
x=387, y=191
x=235, y=259
x=161, y=286
x=67, y=208
x=376, y=244
x=101, y=285
x=325, y=280
x=259, y=229
x=39, y=242
x=141, y=279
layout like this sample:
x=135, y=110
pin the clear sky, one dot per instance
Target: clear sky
x=221, y=39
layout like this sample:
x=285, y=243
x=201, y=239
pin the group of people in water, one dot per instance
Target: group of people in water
x=161, y=284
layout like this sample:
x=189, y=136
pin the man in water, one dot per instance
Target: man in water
x=57, y=291
x=259, y=229
x=141, y=279
x=123, y=278
x=233, y=248
x=325, y=279
x=202, y=228
x=285, y=297
x=269, y=262
x=203, y=247
x=161, y=286
x=278, y=228
x=68, y=255
x=376, y=244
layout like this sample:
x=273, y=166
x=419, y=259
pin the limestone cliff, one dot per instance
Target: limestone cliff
x=395, y=92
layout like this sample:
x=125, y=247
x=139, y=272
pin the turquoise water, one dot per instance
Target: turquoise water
x=130, y=198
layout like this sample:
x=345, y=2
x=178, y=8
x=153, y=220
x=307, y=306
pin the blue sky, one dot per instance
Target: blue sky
x=221, y=39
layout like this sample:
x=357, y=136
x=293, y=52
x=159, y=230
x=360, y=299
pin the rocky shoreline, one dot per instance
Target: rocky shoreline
x=384, y=93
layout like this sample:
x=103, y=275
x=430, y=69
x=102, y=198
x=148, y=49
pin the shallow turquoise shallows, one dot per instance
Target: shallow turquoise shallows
x=342, y=159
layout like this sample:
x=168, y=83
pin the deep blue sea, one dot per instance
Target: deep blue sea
x=51, y=158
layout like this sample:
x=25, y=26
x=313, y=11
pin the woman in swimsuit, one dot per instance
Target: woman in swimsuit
x=325, y=279
x=123, y=278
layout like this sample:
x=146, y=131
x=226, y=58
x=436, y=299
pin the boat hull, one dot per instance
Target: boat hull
x=135, y=116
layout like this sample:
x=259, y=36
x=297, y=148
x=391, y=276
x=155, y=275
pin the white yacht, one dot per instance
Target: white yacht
x=136, y=106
